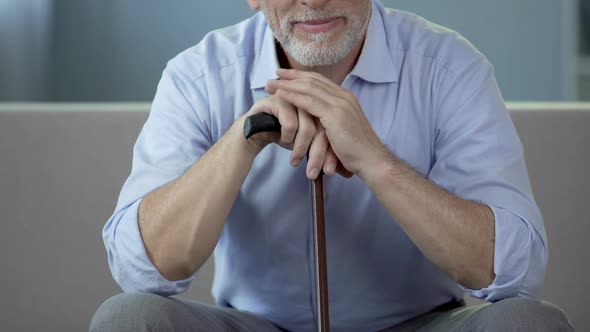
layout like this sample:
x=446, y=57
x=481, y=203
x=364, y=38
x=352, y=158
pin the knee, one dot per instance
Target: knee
x=132, y=312
x=521, y=314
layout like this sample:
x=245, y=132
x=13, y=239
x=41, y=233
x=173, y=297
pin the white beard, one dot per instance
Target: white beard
x=317, y=50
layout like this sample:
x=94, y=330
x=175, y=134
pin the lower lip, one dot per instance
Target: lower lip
x=317, y=28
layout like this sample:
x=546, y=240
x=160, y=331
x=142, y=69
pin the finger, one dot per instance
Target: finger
x=333, y=165
x=260, y=140
x=316, y=78
x=306, y=76
x=317, y=153
x=286, y=75
x=331, y=161
x=311, y=86
x=314, y=106
x=288, y=118
x=293, y=74
x=306, y=86
x=303, y=138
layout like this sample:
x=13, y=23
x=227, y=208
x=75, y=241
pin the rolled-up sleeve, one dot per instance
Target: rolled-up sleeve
x=479, y=157
x=175, y=135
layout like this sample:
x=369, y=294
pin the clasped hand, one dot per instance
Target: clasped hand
x=323, y=118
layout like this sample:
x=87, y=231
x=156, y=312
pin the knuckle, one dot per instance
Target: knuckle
x=285, y=142
x=342, y=103
x=308, y=100
x=290, y=128
x=315, y=75
x=308, y=84
x=347, y=97
x=307, y=132
x=285, y=106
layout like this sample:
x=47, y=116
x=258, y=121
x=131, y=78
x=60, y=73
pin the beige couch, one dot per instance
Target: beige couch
x=62, y=167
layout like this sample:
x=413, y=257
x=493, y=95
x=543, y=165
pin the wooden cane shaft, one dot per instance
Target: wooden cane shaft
x=321, y=271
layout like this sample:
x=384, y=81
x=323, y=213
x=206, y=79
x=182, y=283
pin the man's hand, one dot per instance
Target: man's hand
x=440, y=224
x=300, y=132
x=349, y=133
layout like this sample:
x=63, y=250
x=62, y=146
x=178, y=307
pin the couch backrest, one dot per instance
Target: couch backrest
x=62, y=167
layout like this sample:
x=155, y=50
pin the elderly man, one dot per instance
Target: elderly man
x=432, y=199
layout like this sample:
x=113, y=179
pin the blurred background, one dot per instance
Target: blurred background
x=76, y=81
x=108, y=50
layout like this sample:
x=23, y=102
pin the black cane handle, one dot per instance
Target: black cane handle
x=261, y=122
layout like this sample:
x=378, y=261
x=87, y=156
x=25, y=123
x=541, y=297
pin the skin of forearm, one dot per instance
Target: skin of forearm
x=181, y=222
x=455, y=234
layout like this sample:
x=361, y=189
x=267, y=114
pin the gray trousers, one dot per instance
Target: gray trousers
x=148, y=312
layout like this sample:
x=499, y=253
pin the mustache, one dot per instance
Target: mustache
x=312, y=15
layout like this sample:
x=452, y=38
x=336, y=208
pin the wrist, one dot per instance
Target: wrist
x=384, y=165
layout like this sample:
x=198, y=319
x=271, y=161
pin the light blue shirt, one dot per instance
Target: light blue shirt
x=432, y=99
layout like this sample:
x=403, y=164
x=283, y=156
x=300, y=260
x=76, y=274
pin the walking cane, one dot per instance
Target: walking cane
x=264, y=122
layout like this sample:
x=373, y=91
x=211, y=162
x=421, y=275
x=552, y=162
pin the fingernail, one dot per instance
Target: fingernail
x=295, y=162
x=314, y=173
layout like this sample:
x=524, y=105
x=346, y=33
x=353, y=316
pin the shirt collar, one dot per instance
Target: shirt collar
x=267, y=64
x=375, y=63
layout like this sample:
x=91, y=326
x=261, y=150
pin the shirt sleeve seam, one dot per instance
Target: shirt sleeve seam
x=443, y=105
x=458, y=78
x=203, y=96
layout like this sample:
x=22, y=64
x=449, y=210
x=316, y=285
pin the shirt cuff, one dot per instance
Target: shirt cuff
x=520, y=258
x=128, y=260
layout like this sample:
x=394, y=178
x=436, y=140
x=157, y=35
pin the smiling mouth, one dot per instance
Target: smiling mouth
x=318, y=22
x=318, y=26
